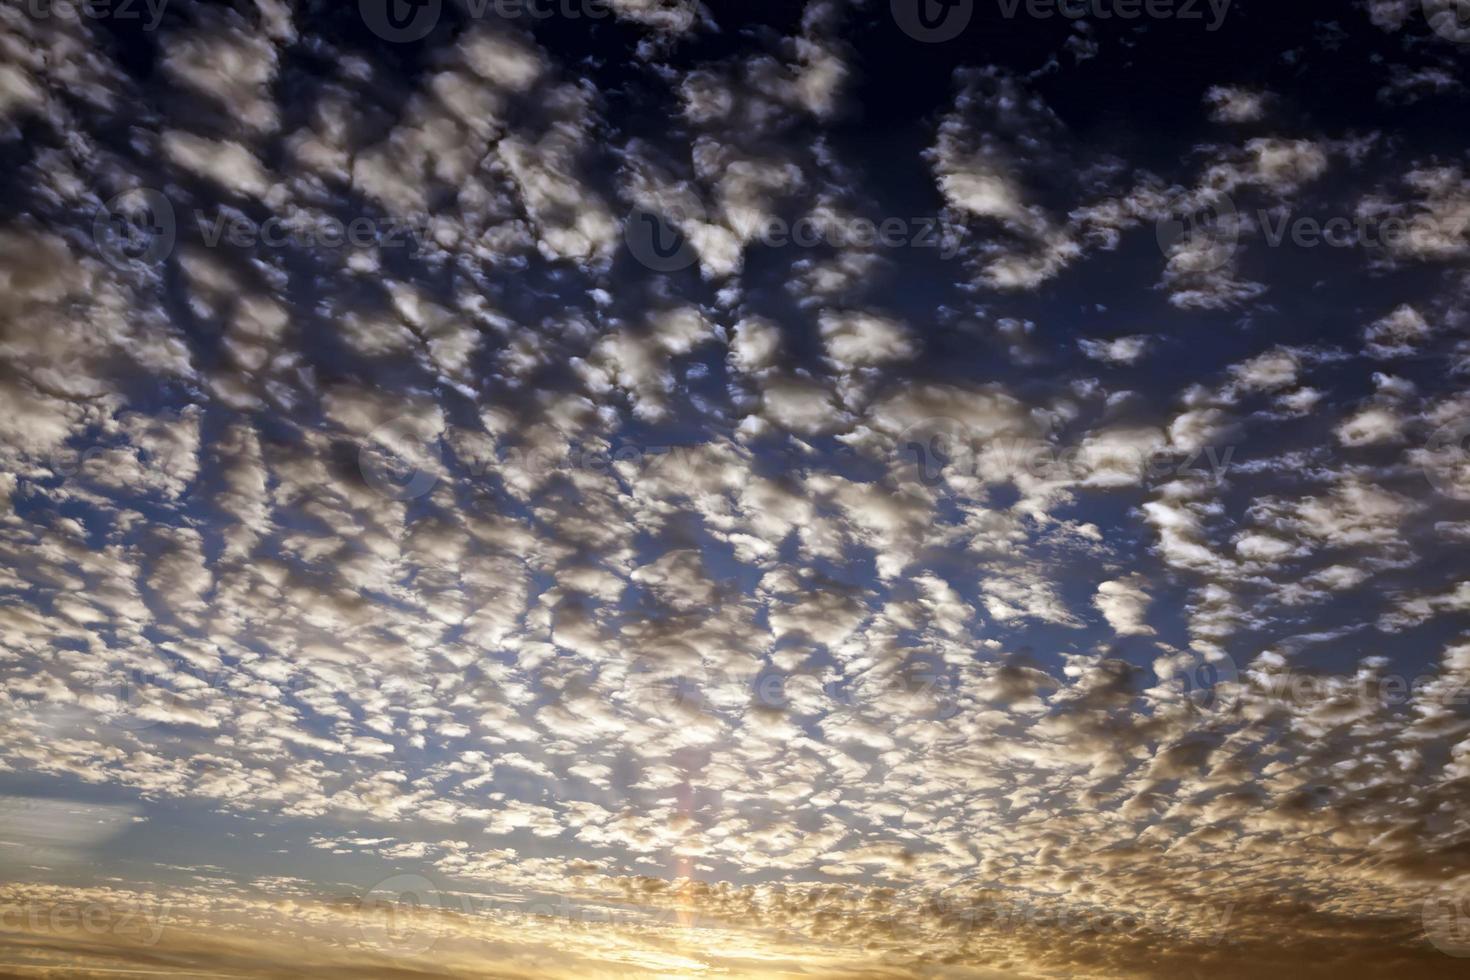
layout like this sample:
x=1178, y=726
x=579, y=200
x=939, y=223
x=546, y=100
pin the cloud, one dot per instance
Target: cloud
x=856, y=339
x=1124, y=604
x=1229, y=104
x=1122, y=350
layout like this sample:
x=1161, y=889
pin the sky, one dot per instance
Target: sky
x=809, y=489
